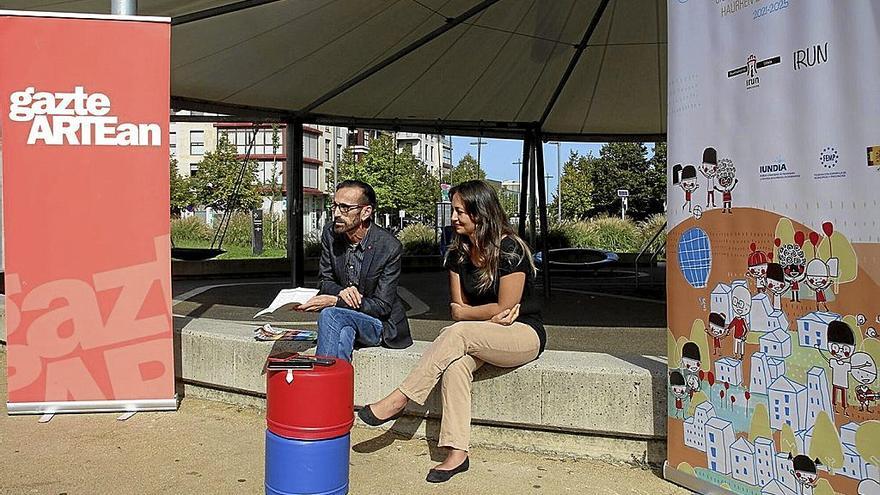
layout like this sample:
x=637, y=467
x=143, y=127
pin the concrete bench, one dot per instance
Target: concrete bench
x=565, y=403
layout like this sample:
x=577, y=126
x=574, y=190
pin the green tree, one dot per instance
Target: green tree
x=509, y=202
x=825, y=444
x=400, y=180
x=655, y=179
x=219, y=173
x=787, y=442
x=466, y=170
x=868, y=441
x=577, y=187
x=625, y=166
x=181, y=196
x=760, y=423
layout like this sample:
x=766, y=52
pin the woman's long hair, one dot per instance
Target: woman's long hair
x=491, y=225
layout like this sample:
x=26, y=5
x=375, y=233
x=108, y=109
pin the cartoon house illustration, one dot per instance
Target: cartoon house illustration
x=803, y=439
x=722, y=300
x=695, y=426
x=719, y=438
x=776, y=343
x=765, y=469
x=813, y=328
x=764, y=317
x=764, y=371
x=784, y=474
x=729, y=370
x=818, y=398
x=854, y=466
x=788, y=403
x=742, y=455
x=776, y=488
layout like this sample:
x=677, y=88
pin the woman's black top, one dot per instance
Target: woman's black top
x=530, y=308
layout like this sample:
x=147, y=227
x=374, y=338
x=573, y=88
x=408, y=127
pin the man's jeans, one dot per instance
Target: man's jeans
x=339, y=328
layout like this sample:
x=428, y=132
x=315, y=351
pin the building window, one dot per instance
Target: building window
x=193, y=170
x=310, y=146
x=262, y=142
x=264, y=171
x=327, y=150
x=807, y=339
x=712, y=438
x=310, y=176
x=172, y=142
x=196, y=142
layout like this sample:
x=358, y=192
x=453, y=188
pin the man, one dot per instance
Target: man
x=359, y=270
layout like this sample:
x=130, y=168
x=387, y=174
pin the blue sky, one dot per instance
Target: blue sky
x=499, y=154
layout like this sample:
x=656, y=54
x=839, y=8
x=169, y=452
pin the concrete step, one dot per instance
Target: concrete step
x=566, y=403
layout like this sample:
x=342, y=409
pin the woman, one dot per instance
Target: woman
x=491, y=275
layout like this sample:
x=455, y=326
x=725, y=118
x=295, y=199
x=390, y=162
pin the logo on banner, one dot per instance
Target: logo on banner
x=776, y=169
x=829, y=159
x=874, y=156
x=77, y=119
x=810, y=57
x=750, y=70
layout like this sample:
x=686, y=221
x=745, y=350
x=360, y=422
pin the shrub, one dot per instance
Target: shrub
x=275, y=230
x=615, y=234
x=650, y=226
x=312, y=244
x=418, y=238
x=239, y=232
x=190, y=229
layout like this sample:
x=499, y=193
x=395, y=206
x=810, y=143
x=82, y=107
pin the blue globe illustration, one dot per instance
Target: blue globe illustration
x=695, y=257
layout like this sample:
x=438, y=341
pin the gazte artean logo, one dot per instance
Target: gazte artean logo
x=78, y=119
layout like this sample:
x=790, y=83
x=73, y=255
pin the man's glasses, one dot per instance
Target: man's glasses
x=344, y=208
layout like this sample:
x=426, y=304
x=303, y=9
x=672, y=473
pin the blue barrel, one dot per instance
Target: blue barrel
x=306, y=467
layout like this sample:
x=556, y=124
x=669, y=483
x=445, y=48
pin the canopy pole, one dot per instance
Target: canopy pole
x=123, y=7
x=294, y=180
x=533, y=194
x=542, y=209
x=524, y=184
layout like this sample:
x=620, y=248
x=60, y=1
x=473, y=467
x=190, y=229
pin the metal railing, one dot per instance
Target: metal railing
x=654, y=255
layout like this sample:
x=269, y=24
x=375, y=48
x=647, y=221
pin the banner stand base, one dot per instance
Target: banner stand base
x=691, y=482
x=97, y=406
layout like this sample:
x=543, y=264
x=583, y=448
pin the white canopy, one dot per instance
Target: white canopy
x=490, y=67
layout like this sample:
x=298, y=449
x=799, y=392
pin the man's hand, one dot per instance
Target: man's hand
x=507, y=317
x=318, y=303
x=351, y=296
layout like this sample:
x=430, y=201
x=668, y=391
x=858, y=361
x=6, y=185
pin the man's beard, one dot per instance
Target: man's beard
x=340, y=226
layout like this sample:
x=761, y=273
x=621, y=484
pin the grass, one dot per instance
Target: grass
x=236, y=252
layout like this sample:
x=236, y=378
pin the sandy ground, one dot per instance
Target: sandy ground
x=210, y=447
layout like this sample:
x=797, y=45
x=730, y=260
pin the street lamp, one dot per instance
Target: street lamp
x=479, y=143
x=559, y=179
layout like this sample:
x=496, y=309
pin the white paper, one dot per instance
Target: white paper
x=287, y=297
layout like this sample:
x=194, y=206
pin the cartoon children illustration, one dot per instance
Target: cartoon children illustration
x=841, y=343
x=758, y=267
x=741, y=300
x=688, y=184
x=679, y=391
x=709, y=169
x=776, y=283
x=805, y=472
x=690, y=360
x=793, y=261
x=818, y=278
x=865, y=372
x=727, y=180
x=717, y=329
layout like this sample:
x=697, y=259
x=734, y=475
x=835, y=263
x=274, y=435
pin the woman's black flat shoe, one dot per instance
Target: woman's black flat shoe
x=443, y=475
x=367, y=416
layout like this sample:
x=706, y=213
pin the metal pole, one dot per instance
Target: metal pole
x=123, y=7
x=295, y=251
x=542, y=206
x=558, y=181
x=524, y=184
x=534, y=180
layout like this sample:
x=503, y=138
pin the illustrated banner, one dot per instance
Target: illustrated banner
x=774, y=246
x=85, y=212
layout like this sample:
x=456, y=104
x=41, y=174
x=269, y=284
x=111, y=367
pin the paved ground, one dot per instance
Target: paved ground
x=209, y=447
x=586, y=313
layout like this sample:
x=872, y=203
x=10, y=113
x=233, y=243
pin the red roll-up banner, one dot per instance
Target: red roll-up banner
x=85, y=204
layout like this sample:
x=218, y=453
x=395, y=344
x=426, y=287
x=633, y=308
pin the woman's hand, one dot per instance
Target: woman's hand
x=507, y=317
x=457, y=311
